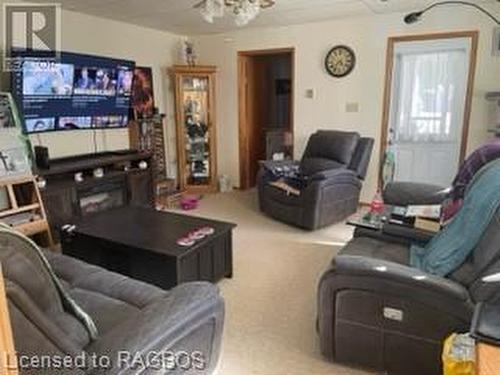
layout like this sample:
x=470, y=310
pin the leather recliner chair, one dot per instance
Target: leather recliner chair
x=376, y=311
x=139, y=325
x=334, y=165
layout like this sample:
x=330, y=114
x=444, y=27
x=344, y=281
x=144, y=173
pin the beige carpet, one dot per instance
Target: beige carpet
x=271, y=301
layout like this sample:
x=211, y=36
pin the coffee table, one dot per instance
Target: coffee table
x=142, y=243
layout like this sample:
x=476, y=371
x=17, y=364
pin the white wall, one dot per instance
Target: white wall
x=92, y=35
x=368, y=36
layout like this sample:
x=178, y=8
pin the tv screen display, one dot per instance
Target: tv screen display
x=77, y=92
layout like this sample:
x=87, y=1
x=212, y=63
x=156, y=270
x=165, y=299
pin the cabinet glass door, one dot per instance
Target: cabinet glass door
x=195, y=97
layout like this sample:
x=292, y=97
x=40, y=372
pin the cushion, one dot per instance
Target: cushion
x=108, y=297
x=399, y=253
x=377, y=249
x=406, y=193
x=33, y=290
x=331, y=144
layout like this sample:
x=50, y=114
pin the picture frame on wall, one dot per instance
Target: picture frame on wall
x=14, y=162
x=143, y=102
x=7, y=119
x=15, y=146
x=496, y=42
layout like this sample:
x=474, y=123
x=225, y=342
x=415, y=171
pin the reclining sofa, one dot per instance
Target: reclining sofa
x=334, y=165
x=376, y=311
x=138, y=324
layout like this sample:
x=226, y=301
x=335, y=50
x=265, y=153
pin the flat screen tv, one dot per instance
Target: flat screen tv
x=76, y=92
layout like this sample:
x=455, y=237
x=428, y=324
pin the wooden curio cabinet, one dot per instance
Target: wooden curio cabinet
x=196, y=127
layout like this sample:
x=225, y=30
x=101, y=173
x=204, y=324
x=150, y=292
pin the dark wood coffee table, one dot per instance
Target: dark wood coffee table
x=142, y=243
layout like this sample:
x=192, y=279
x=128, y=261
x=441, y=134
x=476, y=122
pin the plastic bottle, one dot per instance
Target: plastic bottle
x=377, y=207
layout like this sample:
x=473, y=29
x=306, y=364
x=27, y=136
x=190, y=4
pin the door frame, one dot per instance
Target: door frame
x=389, y=75
x=243, y=148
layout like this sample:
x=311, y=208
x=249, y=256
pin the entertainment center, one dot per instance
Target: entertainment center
x=126, y=180
x=101, y=207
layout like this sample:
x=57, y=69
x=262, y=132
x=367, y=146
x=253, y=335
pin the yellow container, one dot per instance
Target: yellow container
x=454, y=366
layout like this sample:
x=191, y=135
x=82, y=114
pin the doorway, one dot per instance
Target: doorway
x=429, y=82
x=265, y=90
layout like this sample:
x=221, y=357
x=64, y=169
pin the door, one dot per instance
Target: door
x=265, y=80
x=429, y=108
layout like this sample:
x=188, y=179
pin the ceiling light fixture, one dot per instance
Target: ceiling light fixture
x=244, y=11
x=416, y=16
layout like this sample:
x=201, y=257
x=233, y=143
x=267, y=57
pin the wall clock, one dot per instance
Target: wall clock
x=340, y=61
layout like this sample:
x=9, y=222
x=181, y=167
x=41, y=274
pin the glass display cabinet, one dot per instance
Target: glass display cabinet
x=196, y=129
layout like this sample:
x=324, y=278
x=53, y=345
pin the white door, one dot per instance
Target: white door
x=427, y=108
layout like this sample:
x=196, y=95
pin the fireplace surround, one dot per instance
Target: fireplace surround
x=124, y=183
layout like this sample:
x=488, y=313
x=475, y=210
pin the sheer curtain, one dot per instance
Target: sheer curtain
x=429, y=94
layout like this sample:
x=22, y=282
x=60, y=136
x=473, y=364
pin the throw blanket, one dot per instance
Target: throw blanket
x=68, y=302
x=477, y=160
x=285, y=175
x=451, y=247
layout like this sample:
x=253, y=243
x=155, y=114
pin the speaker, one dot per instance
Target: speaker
x=42, y=157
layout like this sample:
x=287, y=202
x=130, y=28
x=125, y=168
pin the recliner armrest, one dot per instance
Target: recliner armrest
x=391, y=276
x=412, y=193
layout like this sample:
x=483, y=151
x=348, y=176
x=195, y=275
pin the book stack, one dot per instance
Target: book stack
x=424, y=217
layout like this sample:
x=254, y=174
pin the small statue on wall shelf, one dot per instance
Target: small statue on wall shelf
x=189, y=53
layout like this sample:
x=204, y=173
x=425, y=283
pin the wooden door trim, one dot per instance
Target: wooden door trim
x=272, y=51
x=389, y=70
x=177, y=73
x=242, y=123
x=242, y=118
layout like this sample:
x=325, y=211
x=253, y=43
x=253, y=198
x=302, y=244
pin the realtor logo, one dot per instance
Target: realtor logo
x=30, y=27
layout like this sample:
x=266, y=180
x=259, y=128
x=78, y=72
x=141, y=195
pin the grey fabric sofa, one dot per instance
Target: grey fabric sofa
x=141, y=329
x=335, y=164
x=376, y=311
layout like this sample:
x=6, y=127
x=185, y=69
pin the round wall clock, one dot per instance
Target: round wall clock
x=340, y=61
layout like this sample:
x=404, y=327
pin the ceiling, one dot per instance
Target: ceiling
x=178, y=16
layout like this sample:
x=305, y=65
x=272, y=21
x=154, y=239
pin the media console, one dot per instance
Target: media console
x=123, y=183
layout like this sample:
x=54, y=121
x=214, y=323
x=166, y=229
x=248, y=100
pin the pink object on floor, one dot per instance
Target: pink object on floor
x=189, y=203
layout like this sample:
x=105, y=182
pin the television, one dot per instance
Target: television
x=75, y=92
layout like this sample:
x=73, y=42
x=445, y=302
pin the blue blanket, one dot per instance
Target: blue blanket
x=450, y=248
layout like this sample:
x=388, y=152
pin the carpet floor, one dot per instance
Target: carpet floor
x=271, y=300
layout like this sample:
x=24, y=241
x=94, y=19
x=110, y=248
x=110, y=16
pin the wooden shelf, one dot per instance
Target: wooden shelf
x=20, y=191
x=89, y=162
x=13, y=180
x=34, y=206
